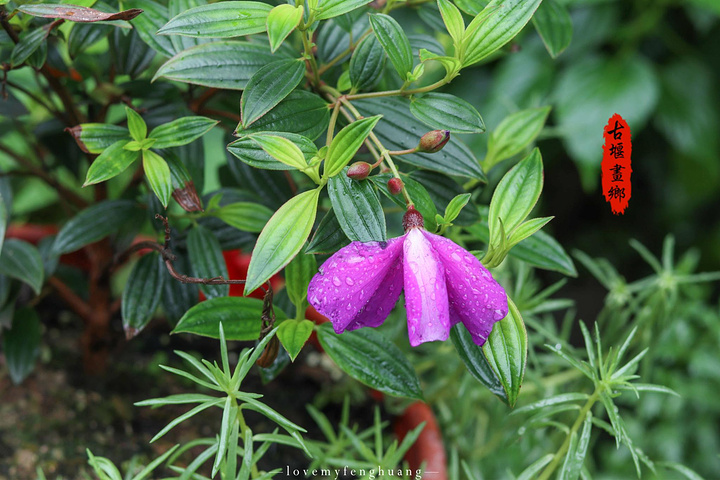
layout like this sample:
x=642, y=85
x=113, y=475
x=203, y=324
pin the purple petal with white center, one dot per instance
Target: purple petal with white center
x=359, y=285
x=426, y=297
x=476, y=299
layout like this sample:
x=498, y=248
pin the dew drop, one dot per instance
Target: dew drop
x=349, y=281
x=336, y=282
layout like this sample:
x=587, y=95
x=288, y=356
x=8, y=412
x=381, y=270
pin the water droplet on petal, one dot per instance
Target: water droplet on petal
x=336, y=282
x=349, y=281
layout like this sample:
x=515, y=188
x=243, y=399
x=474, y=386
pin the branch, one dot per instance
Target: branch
x=76, y=303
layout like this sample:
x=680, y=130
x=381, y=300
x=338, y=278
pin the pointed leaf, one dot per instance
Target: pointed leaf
x=302, y=112
x=513, y=134
x=181, y=131
x=447, y=112
x=114, y=160
x=333, y=8
x=358, y=208
x=21, y=344
x=96, y=137
x=394, y=41
x=245, y=216
x=281, y=21
x=148, y=24
x=298, y=274
x=141, y=295
x=157, y=173
x=22, y=261
x=552, y=21
x=367, y=63
x=251, y=152
x=219, y=20
x=293, y=334
x=282, y=238
x=282, y=150
x=93, y=224
x=329, y=236
x=240, y=317
x=346, y=143
x=75, y=13
x=475, y=361
x=268, y=86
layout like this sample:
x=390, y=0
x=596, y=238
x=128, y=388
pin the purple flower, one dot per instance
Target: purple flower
x=444, y=284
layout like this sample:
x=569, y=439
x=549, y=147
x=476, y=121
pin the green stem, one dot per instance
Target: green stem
x=310, y=57
x=552, y=466
x=393, y=93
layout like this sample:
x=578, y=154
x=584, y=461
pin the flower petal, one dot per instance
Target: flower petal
x=359, y=285
x=426, y=297
x=476, y=299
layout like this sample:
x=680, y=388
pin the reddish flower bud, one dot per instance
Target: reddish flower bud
x=395, y=185
x=269, y=354
x=433, y=141
x=187, y=198
x=412, y=219
x=359, y=170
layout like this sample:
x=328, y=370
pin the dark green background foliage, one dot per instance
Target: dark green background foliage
x=233, y=116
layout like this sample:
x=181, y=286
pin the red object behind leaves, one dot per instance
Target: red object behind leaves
x=237, y=265
x=429, y=446
x=616, y=166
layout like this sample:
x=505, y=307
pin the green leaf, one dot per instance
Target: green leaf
x=498, y=23
x=225, y=64
x=282, y=150
x=506, y=352
x=515, y=196
x=207, y=260
x=369, y=357
x=84, y=36
x=540, y=250
x=293, y=334
x=30, y=41
x=534, y=469
x=282, y=238
x=526, y=229
x=136, y=125
x=357, y=208
x=245, y=216
x=682, y=469
x=302, y=112
x=112, y=162
x=96, y=137
x=240, y=317
x=4, y=218
x=148, y=24
x=181, y=131
x=474, y=359
x=298, y=274
x=268, y=86
x=455, y=206
x=333, y=8
x=142, y=292
x=367, y=63
x=447, y=112
x=329, y=236
x=400, y=130
x=157, y=173
x=281, y=21
x=575, y=457
x=76, y=13
x=92, y=224
x=22, y=261
x=219, y=20
x=513, y=134
x=552, y=21
x=453, y=20
x=394, y=41
x=21, y=344
x=346, y=143
x=250, y=151
x=442, y=190
x=589, y=92
x=130, y=54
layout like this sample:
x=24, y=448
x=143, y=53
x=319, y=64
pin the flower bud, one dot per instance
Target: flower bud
x=433, y=141
x=395, y=185
x=359, y=170
x=269, y=354
x=412, y=219
x=187, y=197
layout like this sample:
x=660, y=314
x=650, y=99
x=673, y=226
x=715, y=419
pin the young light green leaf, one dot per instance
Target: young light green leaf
x=181, y=131
x=142, y=292
x=112, y=162
x=281, y=21
x=219, y=20
x=93, y=224
x=513, y=134
x=251, y=152
x=136, y=125
x=447, y=112
x=370, y=358
x=282, y=238
x=453, y=20
x=367, y=63
x=207, y=260
x=506, y=352
x=346, y=143
x=394, y=41
x=526, y=229
x=21, y=344
x=240, y=317
x=225, y=64
x=245, y=216
x=282, y=150
x=358, y=209
x=298, y=274
x=268, y=86
x=334, y=8
x=515, y=195
x=96, y=137
x=21, y=260
x=455, y=206
x=293, y=334
x=552, y=21
x=498, y=23
x=157, y=173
